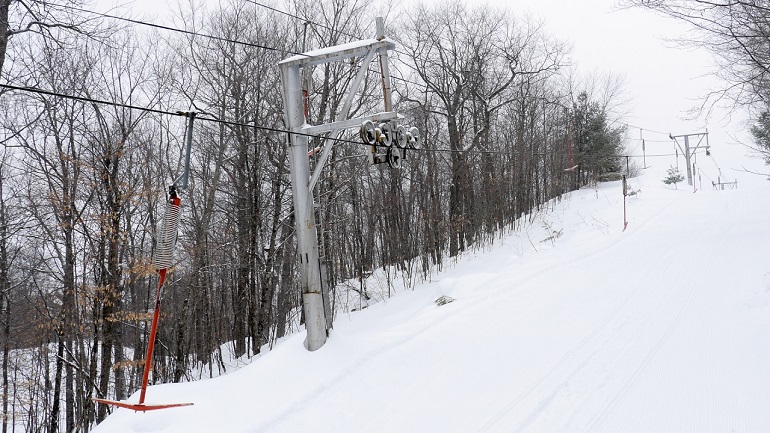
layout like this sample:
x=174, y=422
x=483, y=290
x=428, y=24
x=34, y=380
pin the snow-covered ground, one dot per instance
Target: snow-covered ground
x=662, y=328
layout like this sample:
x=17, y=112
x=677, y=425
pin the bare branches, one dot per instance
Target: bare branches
x=50, y=21
x=37, y=26
x=758, y=173
x=470, y=59
x=737, y=33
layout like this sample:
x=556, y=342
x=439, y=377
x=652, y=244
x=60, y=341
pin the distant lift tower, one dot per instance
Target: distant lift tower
x=688, y=151
x=387, y=132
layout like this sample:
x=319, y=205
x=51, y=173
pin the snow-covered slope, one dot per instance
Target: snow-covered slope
x=662, y=328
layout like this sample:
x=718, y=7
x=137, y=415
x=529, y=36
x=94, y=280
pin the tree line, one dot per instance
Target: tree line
x=505, y=129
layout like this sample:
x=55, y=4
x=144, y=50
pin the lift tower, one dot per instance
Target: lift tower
x=314, y=295
x=688, y=151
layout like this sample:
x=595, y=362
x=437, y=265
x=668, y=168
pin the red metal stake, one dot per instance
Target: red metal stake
x=141, y=407
x=153, y=332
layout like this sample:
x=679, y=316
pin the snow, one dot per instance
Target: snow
x=661, y=328
x=356, y=47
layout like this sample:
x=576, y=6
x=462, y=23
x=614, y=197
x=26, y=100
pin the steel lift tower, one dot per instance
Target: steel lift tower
x=380, y=129
x=689, y=151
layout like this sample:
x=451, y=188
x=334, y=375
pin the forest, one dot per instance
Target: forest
x=92, y=137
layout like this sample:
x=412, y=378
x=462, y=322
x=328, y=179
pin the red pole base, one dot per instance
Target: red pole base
x=139, y=407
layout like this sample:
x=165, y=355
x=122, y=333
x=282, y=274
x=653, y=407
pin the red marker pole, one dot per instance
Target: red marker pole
x=153, y=333
x=625, y=214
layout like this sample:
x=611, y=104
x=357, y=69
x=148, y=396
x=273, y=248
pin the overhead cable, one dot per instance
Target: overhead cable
x=203, y=117
x=177, y=30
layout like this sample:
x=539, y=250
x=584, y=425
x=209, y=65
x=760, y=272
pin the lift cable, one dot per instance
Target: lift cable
x=217, y=38
x=204, y=117
x=177, y=30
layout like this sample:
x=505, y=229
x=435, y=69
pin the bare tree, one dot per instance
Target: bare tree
x=54, y=163
x=11, y=222
x=470, y=59
x=121, y=73
x=36, y=18
x=238, y=204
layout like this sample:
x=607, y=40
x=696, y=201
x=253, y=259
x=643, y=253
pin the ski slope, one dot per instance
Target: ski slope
x=662, y=328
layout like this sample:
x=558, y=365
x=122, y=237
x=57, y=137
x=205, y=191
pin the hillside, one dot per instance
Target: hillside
x=661, y=328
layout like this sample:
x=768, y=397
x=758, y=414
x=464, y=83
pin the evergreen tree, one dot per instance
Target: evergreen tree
x=673, y=176
x=598, y=146
x=760, y=131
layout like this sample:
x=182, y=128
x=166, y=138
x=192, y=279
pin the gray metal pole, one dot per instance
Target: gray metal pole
x=301, y=178
x=687, y=159
x=304, y=218
x=380, y=35
x=625, y=212
x=182, y=180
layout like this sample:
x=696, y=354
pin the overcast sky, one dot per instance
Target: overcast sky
x=663, y=82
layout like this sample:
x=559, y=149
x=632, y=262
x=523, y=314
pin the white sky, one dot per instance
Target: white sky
x=663, y=82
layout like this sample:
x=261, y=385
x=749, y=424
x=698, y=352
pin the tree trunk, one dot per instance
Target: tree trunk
x=4, y=32
x=5, y=304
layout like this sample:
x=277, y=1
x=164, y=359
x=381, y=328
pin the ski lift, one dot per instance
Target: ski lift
x=163, y=259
